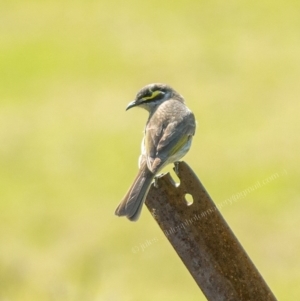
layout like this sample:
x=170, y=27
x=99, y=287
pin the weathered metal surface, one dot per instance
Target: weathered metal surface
x=204, y=241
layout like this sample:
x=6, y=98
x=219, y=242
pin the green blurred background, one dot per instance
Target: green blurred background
x=68, y=150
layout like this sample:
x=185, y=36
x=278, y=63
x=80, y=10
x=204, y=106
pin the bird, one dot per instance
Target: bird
x=167, y=138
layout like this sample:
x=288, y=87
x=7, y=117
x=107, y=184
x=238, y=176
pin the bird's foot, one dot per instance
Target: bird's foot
x=176, y=167
x=156, y=179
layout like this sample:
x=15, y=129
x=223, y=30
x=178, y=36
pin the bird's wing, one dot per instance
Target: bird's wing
x=163, y=142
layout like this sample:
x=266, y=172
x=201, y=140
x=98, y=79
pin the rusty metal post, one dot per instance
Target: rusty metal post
x=203, y=240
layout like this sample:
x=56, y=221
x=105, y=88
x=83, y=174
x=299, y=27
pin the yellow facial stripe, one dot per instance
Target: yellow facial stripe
x=154, y=94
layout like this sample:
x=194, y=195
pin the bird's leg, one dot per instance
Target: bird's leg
x=176, y=169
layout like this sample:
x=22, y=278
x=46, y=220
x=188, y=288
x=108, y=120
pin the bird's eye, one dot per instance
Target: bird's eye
x=155, y=95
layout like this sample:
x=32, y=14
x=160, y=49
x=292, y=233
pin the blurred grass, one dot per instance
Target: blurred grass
x=68, y=151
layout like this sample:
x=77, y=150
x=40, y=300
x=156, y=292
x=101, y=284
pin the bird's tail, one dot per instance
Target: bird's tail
x=132, y=203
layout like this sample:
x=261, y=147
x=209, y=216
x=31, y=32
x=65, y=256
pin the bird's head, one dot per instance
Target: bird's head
x=153, y=95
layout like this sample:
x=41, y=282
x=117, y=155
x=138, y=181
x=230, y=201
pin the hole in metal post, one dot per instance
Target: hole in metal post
x=189, y=199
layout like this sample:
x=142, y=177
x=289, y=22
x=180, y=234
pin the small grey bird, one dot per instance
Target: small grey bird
x=167, y=138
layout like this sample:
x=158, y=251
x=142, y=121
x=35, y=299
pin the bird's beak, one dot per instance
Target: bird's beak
x=131, y=105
